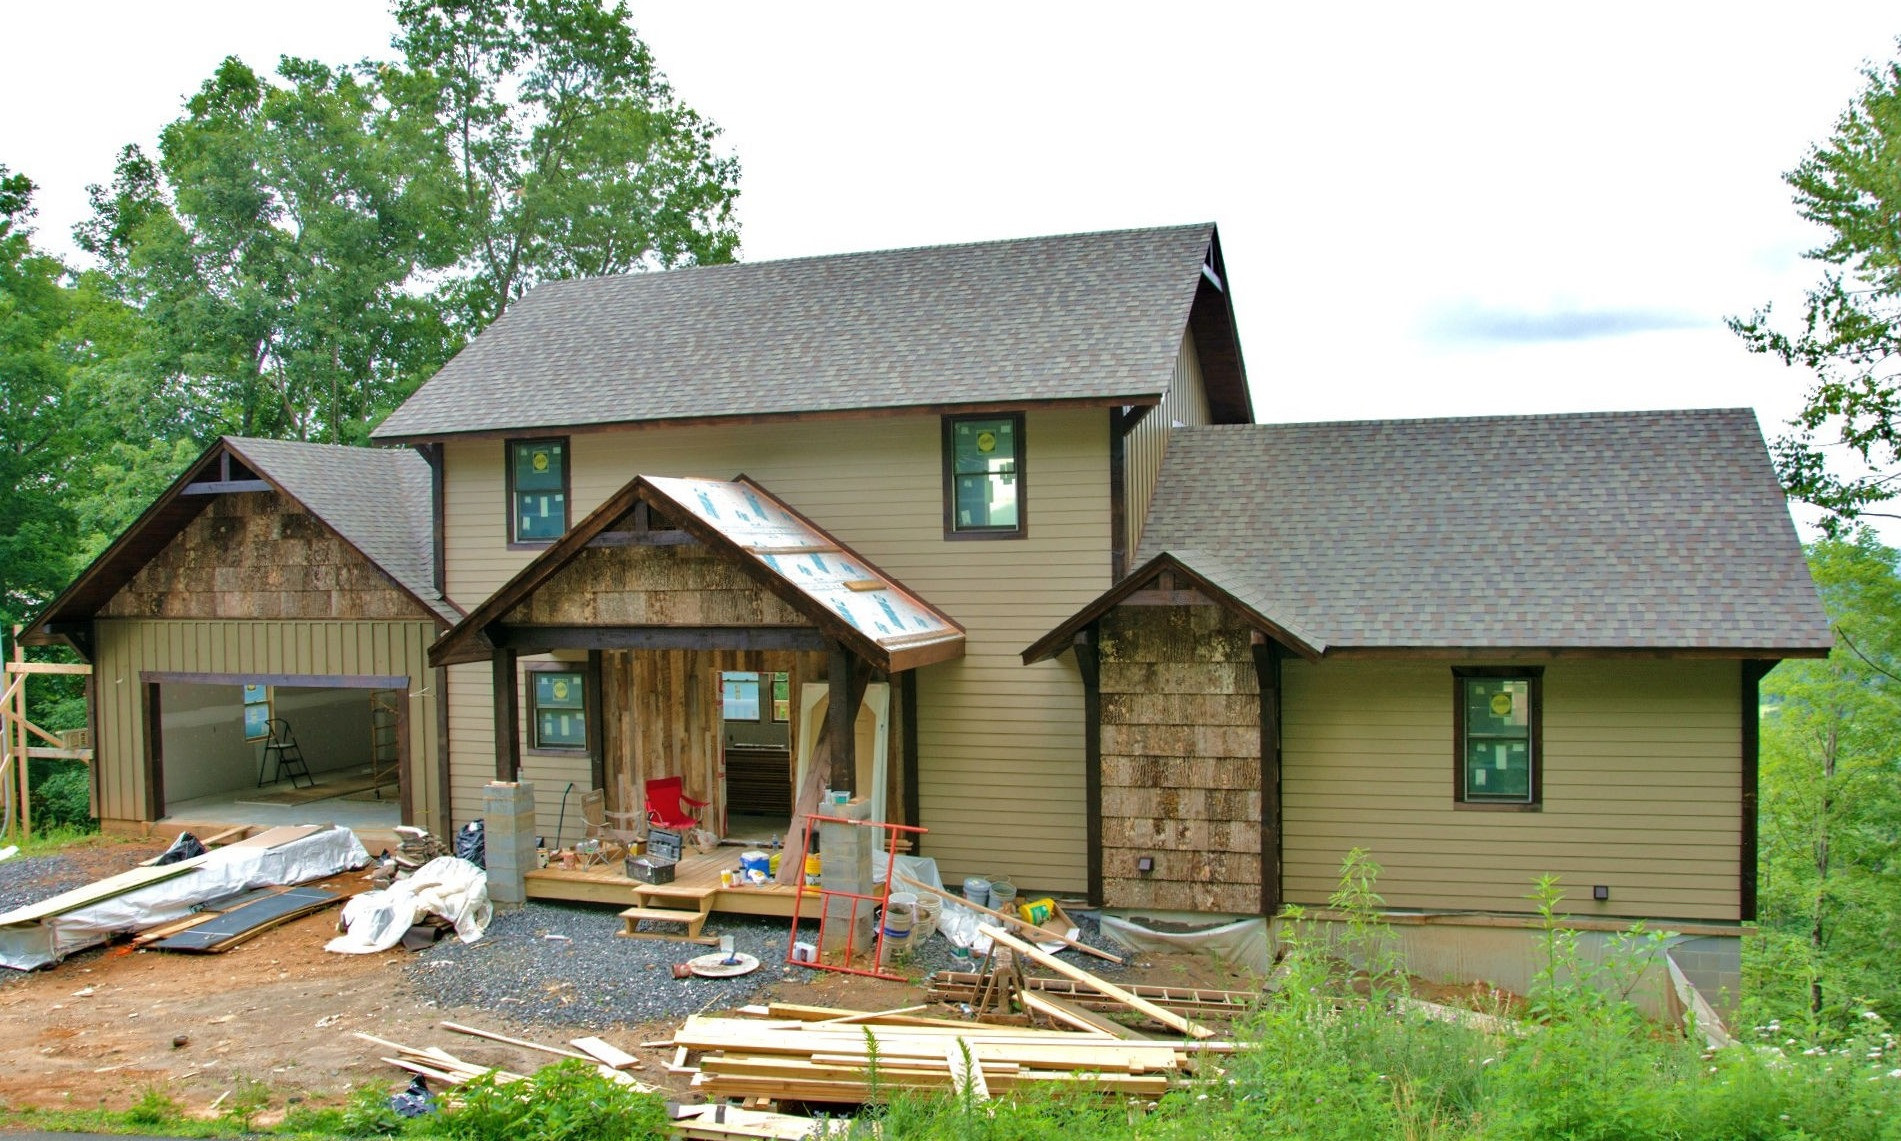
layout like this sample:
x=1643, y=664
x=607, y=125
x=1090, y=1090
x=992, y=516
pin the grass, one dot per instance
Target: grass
x=54, y=841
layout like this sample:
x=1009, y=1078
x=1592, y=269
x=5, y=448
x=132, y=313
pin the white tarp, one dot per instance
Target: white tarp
x=447, y=886
x=1243, y=943
x=218, y=873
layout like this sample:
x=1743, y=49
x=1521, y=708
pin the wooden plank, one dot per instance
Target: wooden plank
x=459, y=1028
x=1072, y=1015
x=47, y=668
x=606, y=1053
x=966, y=1077
x=1038, y=955
x=869, y=1016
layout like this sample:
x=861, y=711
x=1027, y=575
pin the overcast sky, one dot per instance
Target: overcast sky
x=1425, y=209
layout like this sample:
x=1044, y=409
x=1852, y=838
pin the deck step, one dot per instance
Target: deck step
x=693, y=921
x=698, y=898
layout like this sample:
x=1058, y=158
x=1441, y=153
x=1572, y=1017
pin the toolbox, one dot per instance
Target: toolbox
x=650, y=869
x=663, y=844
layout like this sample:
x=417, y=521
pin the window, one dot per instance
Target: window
x=983, y=477
x=537, y=491
x=1497, y=729
x=739, y=696
x=257, y=712
x=557, y=710
x=782, y=697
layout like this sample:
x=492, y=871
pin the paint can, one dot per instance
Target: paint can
x=813, y=866
x=977, y=890
x=1003, y=896
x=929, y=907
x=726, y=877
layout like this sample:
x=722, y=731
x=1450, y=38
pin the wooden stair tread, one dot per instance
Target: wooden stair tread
x=663, y=914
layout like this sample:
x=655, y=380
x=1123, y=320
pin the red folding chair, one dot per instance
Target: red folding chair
x=665, y=797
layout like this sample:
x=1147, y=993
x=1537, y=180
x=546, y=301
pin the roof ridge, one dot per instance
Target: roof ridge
x=1501, y=418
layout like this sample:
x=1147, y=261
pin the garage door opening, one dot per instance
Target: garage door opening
x=247, y=751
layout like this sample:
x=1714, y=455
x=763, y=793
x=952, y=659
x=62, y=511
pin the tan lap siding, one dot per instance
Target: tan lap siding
x=1001, y=744
x=1642, y=779
x=127, y=647
x=1187, y=402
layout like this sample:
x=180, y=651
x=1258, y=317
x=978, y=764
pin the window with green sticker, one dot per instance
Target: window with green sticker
x=557, y=702
x=984, y=494
x=1497, y=725
x=537, y=490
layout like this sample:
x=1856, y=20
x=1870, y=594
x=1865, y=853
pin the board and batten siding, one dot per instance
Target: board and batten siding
x=1642, y=780
x=1000, y=743
x=1186, y=402
x=125, y=647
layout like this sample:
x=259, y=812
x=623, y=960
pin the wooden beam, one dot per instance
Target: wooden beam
x=507, y=717
x=1118, y=498
x=643, y=539
x=1746, y=865
x=1109, y=990
x=19, y=667
x=1267, y=670
x=1189, y=597
x=225, y=486
x=538, y=639
x=1088, y=662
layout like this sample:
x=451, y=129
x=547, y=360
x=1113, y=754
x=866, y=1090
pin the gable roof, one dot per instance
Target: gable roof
x=376, y=499
x=1079, y=317
x=1660, y=531
x=843, y=595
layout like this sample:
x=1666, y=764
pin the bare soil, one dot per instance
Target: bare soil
x=106, y=1025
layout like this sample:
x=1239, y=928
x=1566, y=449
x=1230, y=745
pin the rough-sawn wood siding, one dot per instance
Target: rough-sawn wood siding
x=1181, y=760
x=257, y=555
x=654, y=586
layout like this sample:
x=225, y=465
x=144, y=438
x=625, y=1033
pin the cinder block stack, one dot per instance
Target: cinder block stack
x=847, y=851
x=508, y=813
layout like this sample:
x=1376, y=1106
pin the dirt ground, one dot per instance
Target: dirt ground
x=106, y=1025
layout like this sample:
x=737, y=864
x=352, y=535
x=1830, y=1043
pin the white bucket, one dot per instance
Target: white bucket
x=929, y=907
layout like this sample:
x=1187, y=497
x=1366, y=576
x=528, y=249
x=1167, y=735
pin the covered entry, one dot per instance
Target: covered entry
x=663, y=593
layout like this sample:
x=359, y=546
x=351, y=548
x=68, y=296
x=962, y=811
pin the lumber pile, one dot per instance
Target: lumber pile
x=790, y=1055
x=438, y=1064
x=1192, y=1002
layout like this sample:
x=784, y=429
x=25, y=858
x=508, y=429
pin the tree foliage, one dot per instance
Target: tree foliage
x=1844, y=454
x=1831, y=797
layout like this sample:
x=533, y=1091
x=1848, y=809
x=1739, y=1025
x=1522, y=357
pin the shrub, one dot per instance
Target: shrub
x=562, y=1101
x=62, y=796
x=153, y=1108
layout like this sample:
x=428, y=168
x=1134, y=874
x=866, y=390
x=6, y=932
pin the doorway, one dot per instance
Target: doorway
x=756, y=754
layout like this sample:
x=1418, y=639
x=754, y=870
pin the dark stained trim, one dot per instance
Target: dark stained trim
x=508, y=493
x=225, y=487
x=907, y=684
x=94, y=773
x=507, y=715
x=531, y=708
x=882, y=412
x=1267, y=670
x=303, y=681
x=445, y=810
x=1534, y=674
x=1118, y=497
x=1517, y=654
x=596, y=721
x=1211, y=325
x=438, y=511
x=1021, y=476
x=154, y=752
x=405, y=784
x=1747, y=868
x=1089, y=664
x=539, y=639
x=841, y=716
x=1059, y=639
x=639, y=538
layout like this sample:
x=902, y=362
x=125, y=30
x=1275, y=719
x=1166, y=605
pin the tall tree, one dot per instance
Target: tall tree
x=36, y=411
x=573, y=157
x=1845, y=452
x=273, y=246
x=1831, y=794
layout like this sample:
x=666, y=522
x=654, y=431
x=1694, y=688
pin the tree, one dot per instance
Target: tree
x=572, y=155
x=273, y=248
x=1845, y=452
x=1831, y=794
x=36, y=413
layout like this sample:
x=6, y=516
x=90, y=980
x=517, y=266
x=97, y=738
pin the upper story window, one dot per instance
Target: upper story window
x=1498, y=727
x=537, y=491
x=984, y=490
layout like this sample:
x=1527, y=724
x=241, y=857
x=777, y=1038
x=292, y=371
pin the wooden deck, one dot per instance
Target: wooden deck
x=610, y=884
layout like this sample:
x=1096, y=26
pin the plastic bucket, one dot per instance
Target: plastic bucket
x=812, y=867
x=899, y=914
x=1003, y=896
x=929, y=907
x=977, y=890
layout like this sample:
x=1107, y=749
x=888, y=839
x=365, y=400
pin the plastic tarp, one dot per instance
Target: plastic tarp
x=1244, y=943
x=447, y=886
x=955, y=922
x=221, y=872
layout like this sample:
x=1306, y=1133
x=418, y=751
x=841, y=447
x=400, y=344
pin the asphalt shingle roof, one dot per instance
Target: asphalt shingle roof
x=1078, y=316
x=1611, y=530
x=378, y=499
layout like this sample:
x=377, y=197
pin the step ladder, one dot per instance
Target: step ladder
x=281, y=747
x=665, y=903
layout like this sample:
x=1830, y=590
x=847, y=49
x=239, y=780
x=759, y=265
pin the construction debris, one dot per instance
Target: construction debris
x=1194, y=1002
x=437, y=1063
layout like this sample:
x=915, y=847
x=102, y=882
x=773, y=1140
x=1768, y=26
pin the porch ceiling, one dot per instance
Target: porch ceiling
x=825, y=582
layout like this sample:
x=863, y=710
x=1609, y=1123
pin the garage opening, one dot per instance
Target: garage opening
x=256, y=751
